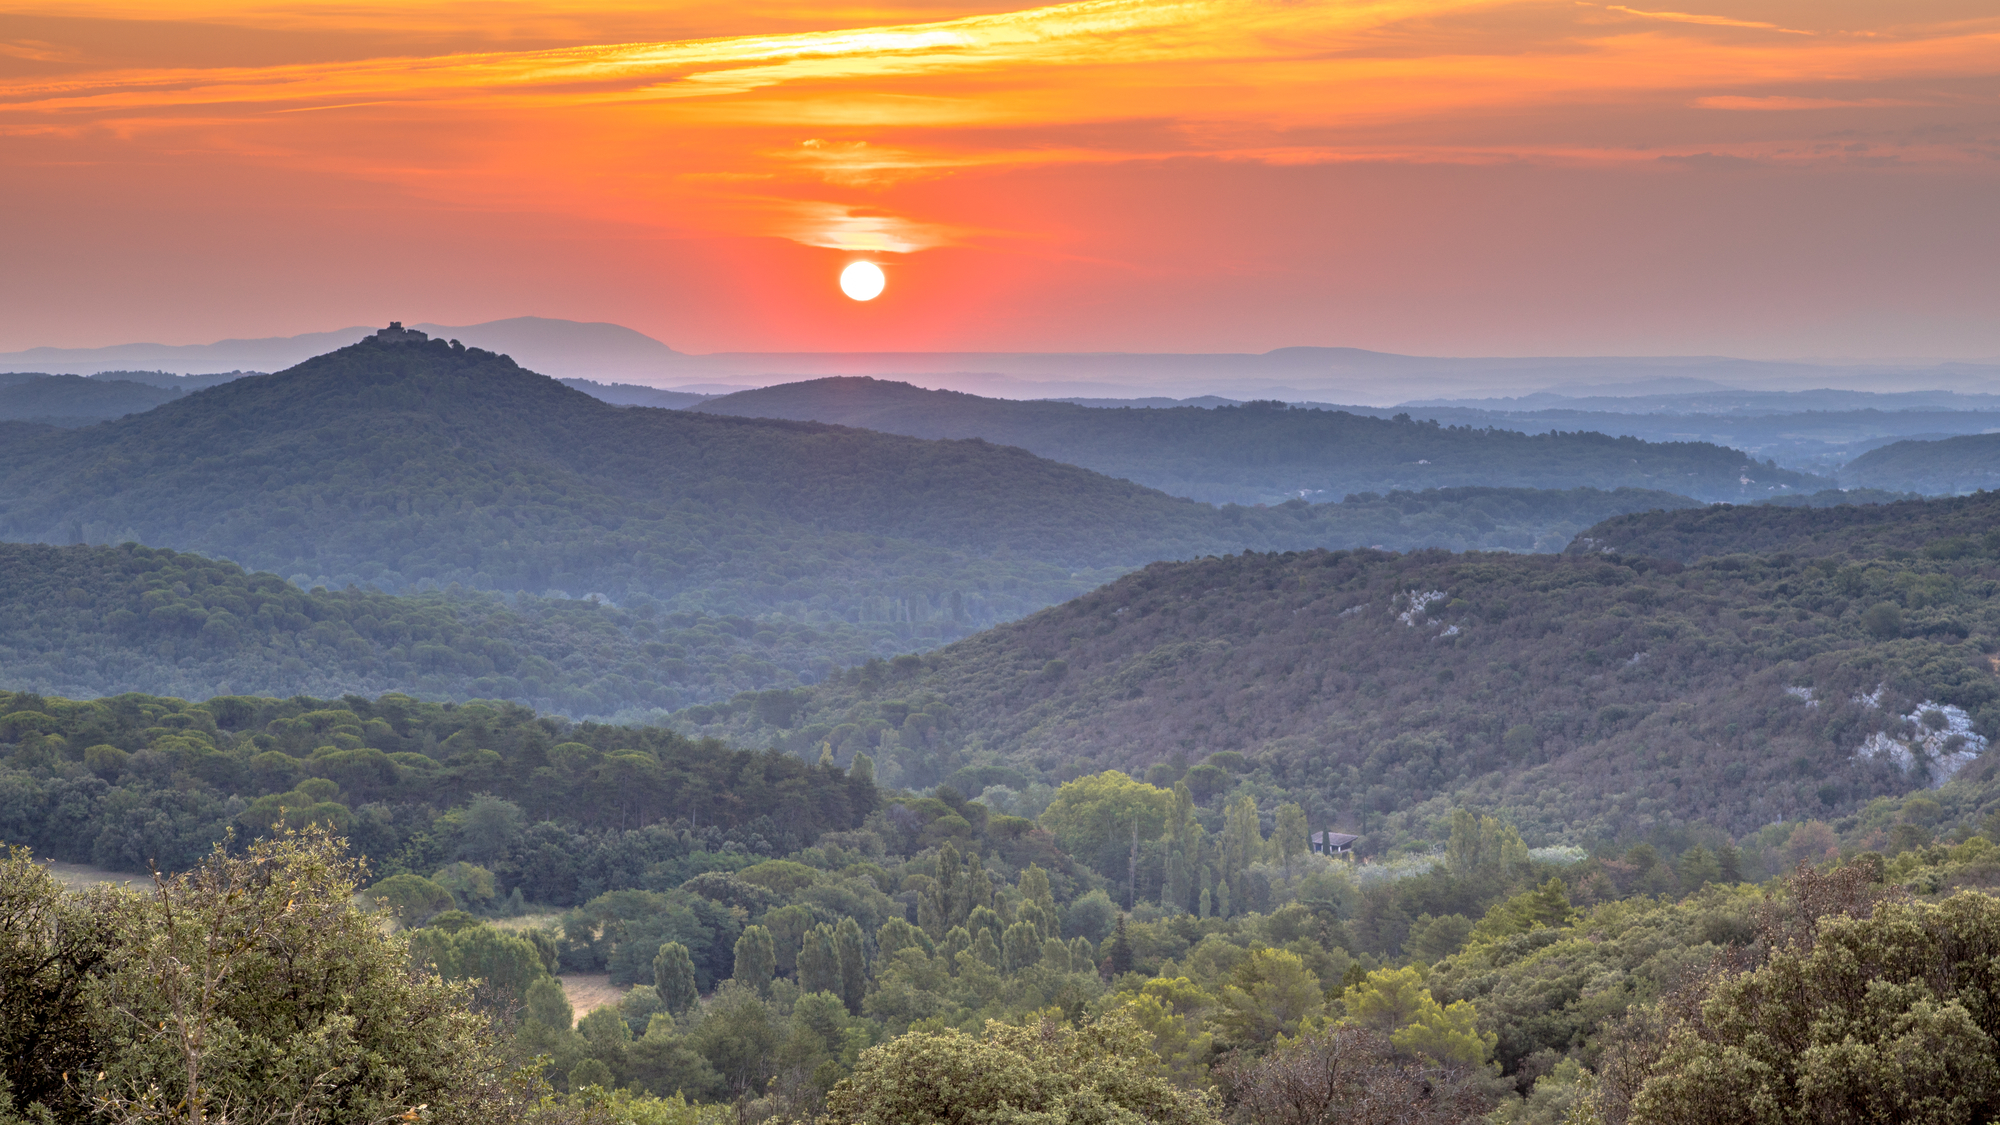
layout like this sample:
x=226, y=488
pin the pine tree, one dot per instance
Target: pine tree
x=1728, y=864
x=1034, y=884
x=1289, y=837
x=985, y=948
x=756, y=959
x=853, y=967
x=819, y=962
x=673, y=976
x=1121, y=950
x=978, y=888
x=939, y=909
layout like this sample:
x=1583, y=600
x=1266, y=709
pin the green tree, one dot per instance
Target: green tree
x=1034, y=887
x=470, y=885
x=1290, y=836
x=739, y=1036
x=1395, y=1003
x=1886, y=1016
x=1271, y=993
x=250, y=988
x=819, y=962
x=1433, y=939
x=1353, y=1074
x=938, y=906
x=1545, y=906
x=411, y=900
x=1482, y=846
x=547, y=1004
x=1046, y=1072
x=608, y=1037
x=52, y=946
x=1093, y=817
x=1177, y=890
x=756, y=959
x=1020, y=947
x=851, y=958
x=505, y=965
x=674, y=979
x=1242, y=845
x=1121, y=949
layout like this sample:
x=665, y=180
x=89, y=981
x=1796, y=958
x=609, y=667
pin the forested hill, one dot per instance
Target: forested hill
x=1944, y=528
x=1581, y=696
x=1955, y=464
x=87, y=621
x=73, y=400
x=1262, y=452
x=405, y=466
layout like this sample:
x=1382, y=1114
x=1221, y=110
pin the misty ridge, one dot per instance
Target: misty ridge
x=726, y=753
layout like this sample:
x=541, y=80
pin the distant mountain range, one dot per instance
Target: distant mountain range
x=611, y=353
x=1264, y=452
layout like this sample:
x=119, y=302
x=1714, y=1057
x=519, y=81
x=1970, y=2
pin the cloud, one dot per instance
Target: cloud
x=1713, y=162
x=835, y=226
x=664, y=133
x=1785, y=102
x=1709, y=21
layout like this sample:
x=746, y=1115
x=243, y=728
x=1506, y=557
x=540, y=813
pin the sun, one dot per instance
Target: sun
x=862, y=281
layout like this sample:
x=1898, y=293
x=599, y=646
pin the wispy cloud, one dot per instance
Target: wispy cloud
x=1706, y=20
x=1786, y=102
x=666, y=132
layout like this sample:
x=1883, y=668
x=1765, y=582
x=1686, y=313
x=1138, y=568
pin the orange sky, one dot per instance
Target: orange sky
x=1752, y=177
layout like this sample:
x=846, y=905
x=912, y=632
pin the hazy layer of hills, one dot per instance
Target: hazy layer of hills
x=1825, y=442
x=416, y=466
x=1263, y=451
x=632, y=394
x=1597, y=694
x=1701, y=397
x=72, y=400
x=1942, y=528
x=1954, y=464
x=611, y=352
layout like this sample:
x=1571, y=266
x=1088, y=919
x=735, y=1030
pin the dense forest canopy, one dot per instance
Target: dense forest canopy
x=1947, y=465
x=83, y=621
x=835, y=957
x=1939, y=529
x=1263, y=452
x=1585, y=696
x=133, y=779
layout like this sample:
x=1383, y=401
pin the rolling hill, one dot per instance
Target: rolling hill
x=1951, y=465
x=1263, y=452
x=1943, y=528
x=1582, y=696
x=411, y=466
x=72, y=400
x=89, y=621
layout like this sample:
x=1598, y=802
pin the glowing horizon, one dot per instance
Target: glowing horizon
x=1438, y=176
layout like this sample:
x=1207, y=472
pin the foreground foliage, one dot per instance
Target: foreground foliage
x=247, y=988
